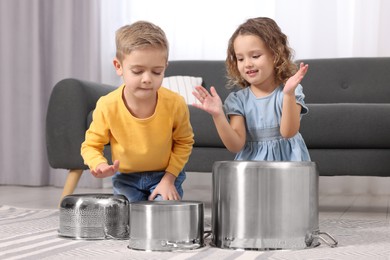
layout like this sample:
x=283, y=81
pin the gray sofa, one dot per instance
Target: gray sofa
x=347, y=129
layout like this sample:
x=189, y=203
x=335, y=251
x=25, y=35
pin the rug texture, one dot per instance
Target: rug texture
x=33, y=234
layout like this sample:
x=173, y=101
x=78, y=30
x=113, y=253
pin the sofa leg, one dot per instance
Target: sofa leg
x=71, y=182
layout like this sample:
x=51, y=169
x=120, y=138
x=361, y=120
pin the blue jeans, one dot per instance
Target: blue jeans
x=138, y=186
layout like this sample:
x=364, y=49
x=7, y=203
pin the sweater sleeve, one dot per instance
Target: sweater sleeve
x=96, y=137
x=183, y=139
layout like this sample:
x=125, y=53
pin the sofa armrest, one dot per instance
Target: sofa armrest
x=70, y=103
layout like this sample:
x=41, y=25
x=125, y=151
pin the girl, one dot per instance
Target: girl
x=263, y=118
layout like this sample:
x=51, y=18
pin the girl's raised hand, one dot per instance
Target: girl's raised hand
x=294, y=80
x=209, y=102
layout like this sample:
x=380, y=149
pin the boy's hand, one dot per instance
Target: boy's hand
x=166, y=188
x=104, y=170
x=209, y=102
x=293, y=81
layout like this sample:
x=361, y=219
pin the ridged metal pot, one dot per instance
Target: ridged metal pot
x=259, y=205
x=94, y=216
x=166, y=225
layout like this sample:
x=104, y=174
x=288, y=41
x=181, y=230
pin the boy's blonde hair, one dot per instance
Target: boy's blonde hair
x=274, y=39
x=140, y=34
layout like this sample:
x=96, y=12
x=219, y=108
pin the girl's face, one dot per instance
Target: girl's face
x=142, y=71
x=255, y=61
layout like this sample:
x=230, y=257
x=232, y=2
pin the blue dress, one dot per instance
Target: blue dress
x=262, y=120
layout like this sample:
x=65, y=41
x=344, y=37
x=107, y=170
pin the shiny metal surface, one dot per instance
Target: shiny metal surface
x=94, y=216
x=166, y=225
x=264, y=205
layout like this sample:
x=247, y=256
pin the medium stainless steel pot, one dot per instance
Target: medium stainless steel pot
x=166, y=225
x=94, y=216
x=259, y=205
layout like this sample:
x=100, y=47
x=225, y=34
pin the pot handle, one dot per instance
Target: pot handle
x=207, y=233
x=332, y=243
x=193, y=244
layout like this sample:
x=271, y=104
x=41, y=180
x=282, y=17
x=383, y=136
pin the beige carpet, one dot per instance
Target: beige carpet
x=32, y=234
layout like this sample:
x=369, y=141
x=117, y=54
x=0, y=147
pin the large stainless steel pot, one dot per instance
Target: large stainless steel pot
x=166, y=225
x=260, y=205
x=94, y=216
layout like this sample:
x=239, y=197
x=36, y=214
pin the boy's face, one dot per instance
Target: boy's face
x=142, y=71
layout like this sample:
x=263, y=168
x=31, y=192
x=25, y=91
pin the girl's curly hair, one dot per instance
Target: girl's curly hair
x=274, y=39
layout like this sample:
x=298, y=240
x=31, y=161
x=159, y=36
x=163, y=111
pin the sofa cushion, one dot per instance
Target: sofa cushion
x=213, y=73
x=353, y=126
x=347, y=80
x=205, y=133
x=325, y=126
x=354, y=162
x=202, y=159
x=184, y=85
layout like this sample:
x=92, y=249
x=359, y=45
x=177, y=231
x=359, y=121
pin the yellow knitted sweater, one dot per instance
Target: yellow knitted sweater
x=162, y=142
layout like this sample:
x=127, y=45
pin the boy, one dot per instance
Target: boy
x=147, y=126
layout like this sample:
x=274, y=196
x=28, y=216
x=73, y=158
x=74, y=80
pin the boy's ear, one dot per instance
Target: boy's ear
x=118, y=67
x=166, y=66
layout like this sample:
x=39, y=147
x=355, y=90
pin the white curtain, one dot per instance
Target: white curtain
x=44, y=41
x=316, y=29
x=336, y=28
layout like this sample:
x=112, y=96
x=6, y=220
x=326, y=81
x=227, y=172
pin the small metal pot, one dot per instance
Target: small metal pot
x=94, y=216
x=259, y=205
x=166, y=225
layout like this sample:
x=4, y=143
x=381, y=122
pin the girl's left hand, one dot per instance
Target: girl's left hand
x=293, y=81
